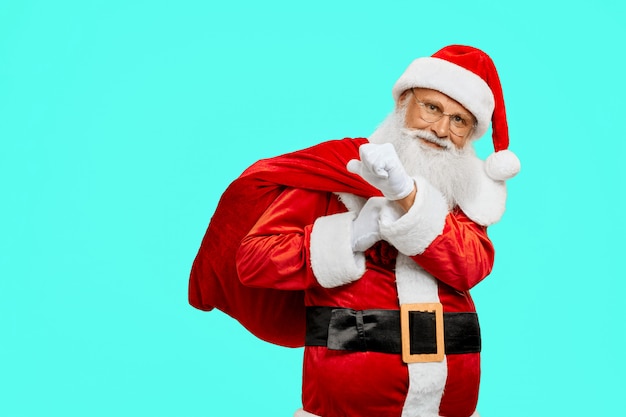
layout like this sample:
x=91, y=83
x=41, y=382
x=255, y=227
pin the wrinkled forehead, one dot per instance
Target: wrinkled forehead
x=442, y=100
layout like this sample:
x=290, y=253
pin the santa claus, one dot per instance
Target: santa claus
x=364, y=250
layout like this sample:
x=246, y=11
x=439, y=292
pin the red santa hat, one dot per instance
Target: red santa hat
x=469, y=76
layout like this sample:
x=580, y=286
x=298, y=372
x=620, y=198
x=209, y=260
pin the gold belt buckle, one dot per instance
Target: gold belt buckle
x=436, y=308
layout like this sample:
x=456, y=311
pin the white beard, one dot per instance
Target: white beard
x=452, y=171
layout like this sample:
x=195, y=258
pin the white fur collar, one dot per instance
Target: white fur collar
x=486, y=206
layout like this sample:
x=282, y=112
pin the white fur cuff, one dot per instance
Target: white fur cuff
x=415, y=231
x=333, y=262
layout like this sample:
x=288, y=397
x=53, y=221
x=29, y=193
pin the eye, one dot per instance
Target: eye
x=459, y=120
x=432, y=108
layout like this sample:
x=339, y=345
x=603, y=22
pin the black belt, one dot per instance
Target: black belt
x=381, y=331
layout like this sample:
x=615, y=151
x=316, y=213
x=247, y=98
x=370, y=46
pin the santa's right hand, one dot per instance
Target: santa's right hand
x=381, y=167
x=366, y=226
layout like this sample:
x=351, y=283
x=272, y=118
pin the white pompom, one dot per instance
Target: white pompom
x=502, y=165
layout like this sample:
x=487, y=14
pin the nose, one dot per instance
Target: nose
x=441, y=127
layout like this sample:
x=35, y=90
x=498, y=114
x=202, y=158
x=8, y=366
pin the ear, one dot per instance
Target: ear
x=402, y=97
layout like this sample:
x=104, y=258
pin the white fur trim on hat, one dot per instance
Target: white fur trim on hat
x=502, y=165
x=458, y=83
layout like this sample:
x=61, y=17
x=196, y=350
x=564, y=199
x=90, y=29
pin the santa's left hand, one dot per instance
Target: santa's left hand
x=381, y=167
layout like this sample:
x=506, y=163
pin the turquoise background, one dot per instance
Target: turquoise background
x=121, y=122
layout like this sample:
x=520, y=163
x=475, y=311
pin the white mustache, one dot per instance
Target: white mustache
x=428, y=136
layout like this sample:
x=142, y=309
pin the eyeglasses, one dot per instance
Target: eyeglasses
x=460, y=124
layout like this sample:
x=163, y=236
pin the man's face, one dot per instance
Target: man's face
x=454, y=124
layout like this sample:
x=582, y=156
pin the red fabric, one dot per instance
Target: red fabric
x=340, y=383
x=461, y=256
x=480, y=63
x=276, y=254
x=469, y=257
x=460, y=394
x=262, y=226
x=214, y=282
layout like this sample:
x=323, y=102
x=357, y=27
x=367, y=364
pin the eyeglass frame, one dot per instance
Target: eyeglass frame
x=443, y=113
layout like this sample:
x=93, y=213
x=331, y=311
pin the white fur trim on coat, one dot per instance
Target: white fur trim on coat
x=333, y=262
x=301, y=413
x=415, y=231
x=351, y=201
x=426, y=380
x=487, y=203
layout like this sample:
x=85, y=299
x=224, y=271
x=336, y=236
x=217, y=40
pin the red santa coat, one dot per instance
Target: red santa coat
x=300, y=244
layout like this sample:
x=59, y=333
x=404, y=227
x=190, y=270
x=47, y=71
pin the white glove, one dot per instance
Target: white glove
x=366, y=227
x=381, y=167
